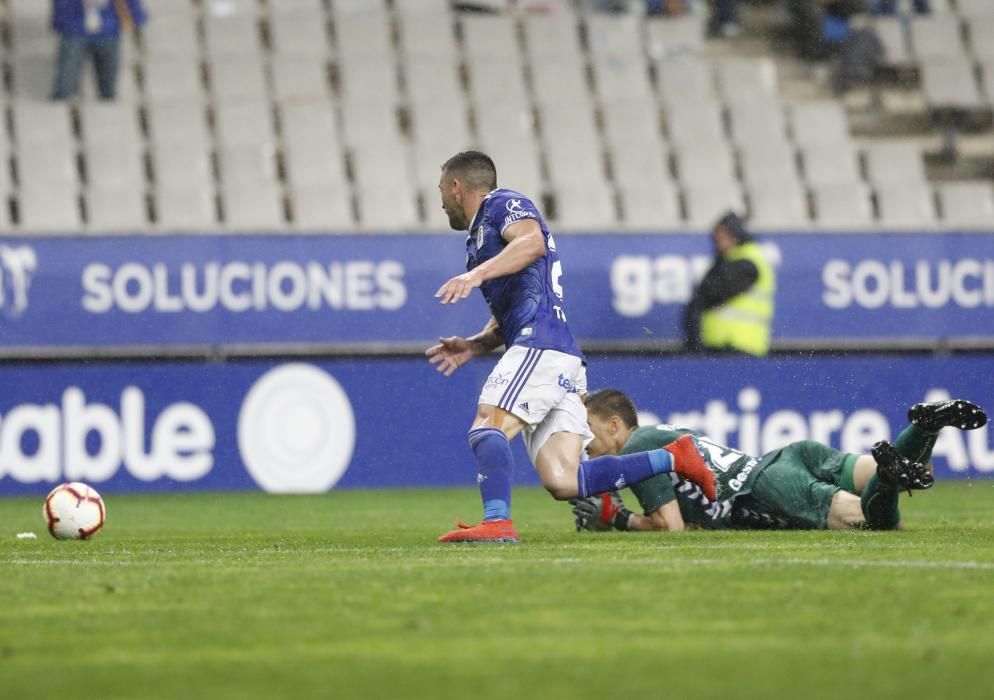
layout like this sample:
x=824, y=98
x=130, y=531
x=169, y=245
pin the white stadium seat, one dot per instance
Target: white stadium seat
x=768, y=166
x=248, y=164
x=244, y=122
x=313, y=164
x=177, y=165
x=830, y=164
x=842, y=206
x=585, y=207
x=185, y=207
x=236, y=34
x=937, y=36
x=299, y=34
x=783, y=206
x=819, y=122
x=116, y=210
x=686, y=78
x=237, y=78
x=110, y=123
x=254, y=206
x=46, y=207
x=614, y=36
x=363, y=37
x=967, y=204
x=705, y=203
x=387, y=208
x=706, y=163
x=428, y=35
x=172, y=78
x=906, y=206
x=321, y=209
x=42, y=124
x=113, y=166
x=650, y=208
x=894, y=163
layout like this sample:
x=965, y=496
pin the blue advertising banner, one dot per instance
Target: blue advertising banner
x=350, y=423
x=334, y=292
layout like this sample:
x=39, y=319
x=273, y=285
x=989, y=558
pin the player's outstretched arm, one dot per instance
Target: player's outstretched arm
x=451, y=353
x=525, y=245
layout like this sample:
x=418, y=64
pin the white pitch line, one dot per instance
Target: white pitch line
x=413, y=562
x=674, y=562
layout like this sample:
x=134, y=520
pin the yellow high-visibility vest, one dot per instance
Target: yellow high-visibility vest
x=743, y=322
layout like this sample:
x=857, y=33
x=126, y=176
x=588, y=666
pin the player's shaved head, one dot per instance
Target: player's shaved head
x=611, y=402
x=476, y=170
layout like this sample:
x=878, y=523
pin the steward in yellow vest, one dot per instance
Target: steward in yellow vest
x=732, y=308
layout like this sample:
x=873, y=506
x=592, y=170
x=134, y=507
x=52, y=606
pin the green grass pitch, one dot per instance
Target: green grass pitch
x=348, y=595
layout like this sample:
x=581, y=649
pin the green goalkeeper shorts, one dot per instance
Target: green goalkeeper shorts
x=798, y=484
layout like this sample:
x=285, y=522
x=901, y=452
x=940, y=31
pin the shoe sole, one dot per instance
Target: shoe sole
x=975, y=416
x=887, y=456
x=497, y=540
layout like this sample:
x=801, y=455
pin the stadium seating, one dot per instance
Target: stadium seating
x=238, y=114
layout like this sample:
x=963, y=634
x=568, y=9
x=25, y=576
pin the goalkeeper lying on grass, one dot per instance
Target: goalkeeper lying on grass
x=803, y=486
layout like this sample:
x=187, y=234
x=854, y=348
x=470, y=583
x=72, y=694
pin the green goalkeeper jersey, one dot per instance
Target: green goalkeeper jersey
x=735, y=473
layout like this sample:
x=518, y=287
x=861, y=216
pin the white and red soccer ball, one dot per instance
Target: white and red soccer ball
x=74, y=511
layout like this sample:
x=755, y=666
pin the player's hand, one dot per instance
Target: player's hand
x=459, y=287
x=450, y=354
x=589, y=513
x=600, y=513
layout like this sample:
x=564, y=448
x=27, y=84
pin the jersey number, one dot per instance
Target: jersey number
x=720, y=456
x=557, y=273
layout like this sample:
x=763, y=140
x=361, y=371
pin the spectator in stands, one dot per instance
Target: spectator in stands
x=91, y=29
x=653, y=8
x=822, y=31
x=732, y=308
x=820, y=27
x=889, y=7
x=489, y=7
x=724, y=20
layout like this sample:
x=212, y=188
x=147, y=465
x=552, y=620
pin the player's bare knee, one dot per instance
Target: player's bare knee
x=846, y=512
x=559, y=482
x=560, y=489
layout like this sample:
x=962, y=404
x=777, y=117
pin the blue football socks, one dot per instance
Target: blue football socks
x=611, y=473
x=495, y=466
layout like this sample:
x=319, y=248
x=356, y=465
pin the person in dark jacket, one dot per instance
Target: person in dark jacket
x=91, y=29
x=732, y=308
x=821, y=27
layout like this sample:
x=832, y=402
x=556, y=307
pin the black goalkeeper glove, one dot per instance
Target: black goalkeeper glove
x=600, y=513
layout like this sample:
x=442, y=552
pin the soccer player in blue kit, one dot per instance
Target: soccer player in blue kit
x=537, y=386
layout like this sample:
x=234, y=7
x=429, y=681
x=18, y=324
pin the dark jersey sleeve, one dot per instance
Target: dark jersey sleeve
x=506, y=208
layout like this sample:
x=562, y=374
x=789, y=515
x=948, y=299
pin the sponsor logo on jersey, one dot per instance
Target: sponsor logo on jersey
x=516, y=211
x=17, y=266
x=737, y=482
x=479, y=237
x=567, y=384
x=496, y=379
x=524, y=406
x=517, y=216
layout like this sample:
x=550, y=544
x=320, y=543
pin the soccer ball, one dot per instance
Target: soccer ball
x=74, y=511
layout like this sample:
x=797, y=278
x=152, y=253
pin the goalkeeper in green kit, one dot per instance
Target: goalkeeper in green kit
x=805, y=486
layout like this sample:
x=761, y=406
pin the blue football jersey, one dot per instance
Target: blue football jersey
x=528, y=304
